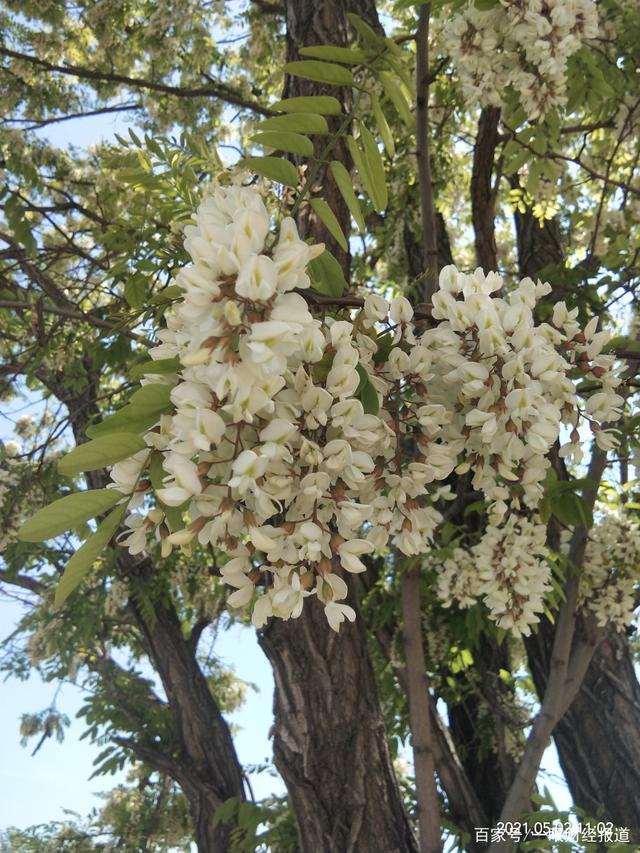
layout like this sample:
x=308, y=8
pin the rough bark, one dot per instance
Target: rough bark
x=483, y=192
x=207, y=767
x=598, y=739
x=310, y=22
x=329, y=740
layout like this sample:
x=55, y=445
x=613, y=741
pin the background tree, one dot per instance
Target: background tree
x=92, y=240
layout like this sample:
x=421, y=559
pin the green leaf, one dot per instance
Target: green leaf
x=397, y=98
x=168, y=294
x=571, y=509
x=366, y=33
x=84, y=558
x=326, y=275
x=160, y=365
x=329, y=219
x=376, y=167
x=101, y=452
x=225, y=812
x=360, y=162
x=321, y=72
x=293, y=143
x=485, y=5
x=369, y=399
x=154, y=397
x=364, y=378
x=127, y=419
x=325, y=105
x=621, y=342
x=156, y=470
x=516, y=160
x=135, y=291
x=385, y=343
x=346, y=55
x=343, y=181
x=383, y=128
x=67, y=513
x=274, y=168
x=295, y=123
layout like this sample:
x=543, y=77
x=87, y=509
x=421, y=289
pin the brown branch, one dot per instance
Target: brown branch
x=269, y=8
x=483, y=195
x=37, y=124
x=159, y=761
x=427, y=803
x=219, y=90
x=72, y=314
x=22, y=581
x=567, y=668
x=423, y=156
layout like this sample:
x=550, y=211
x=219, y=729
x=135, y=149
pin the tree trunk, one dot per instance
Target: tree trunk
x=598, y=739
x=207, y=767
x=330, y=744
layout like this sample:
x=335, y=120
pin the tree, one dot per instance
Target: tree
x=481, y=524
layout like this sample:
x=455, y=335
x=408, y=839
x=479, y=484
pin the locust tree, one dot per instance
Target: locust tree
x=344, y=332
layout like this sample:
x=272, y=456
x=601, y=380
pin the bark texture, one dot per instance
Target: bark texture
x=311, y=22
x=206, y=767
x=483, y=192
x=598, y=739
x=329, y=740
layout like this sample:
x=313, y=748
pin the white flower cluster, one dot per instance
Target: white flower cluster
x=18, y=497
x=9, y=480
x=507, y=569
x=522, y=44
x=301, y=444
x=611, y=569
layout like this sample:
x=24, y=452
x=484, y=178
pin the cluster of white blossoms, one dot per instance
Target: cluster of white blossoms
x=611, y=569
x=10, y=518
x=18, y=495
x=507, y=569
x=522, y=44
x=301, y=443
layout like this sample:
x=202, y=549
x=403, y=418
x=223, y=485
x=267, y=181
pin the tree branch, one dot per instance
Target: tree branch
x=423, y=155
x=37, y=124
x=22, y=581
x=218, y=90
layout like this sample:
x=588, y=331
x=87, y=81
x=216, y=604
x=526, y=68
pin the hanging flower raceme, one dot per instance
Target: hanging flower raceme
x=611, y=569
x=300, y=444
x=518, y=44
